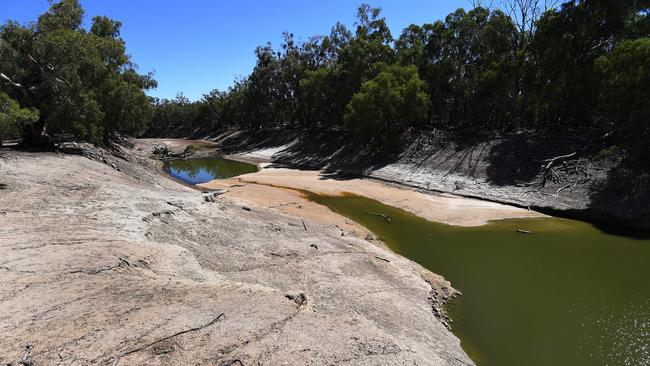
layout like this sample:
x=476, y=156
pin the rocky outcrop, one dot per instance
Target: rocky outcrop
x=120, y=266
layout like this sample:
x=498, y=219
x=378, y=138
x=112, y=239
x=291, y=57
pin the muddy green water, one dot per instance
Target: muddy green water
x=196, y=171
x=568, y=294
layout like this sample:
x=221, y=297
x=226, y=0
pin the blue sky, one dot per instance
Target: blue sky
x=195, y=46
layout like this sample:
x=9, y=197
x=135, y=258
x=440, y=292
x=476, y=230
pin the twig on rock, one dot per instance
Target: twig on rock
x=149, y=345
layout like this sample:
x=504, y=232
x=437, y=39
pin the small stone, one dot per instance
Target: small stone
x=299, y=298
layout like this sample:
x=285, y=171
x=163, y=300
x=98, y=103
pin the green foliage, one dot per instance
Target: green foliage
x=80, y=82
x=579, y=66
x=468, y=63
x=626, y=92
x=105, y=27
x=126, y=108
x=322, y=99
x=387, y=104
x=13, y=118
x=564, y=87
x=172, y=114
x=66, y=14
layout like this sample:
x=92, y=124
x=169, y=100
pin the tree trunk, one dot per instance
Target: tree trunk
x=36, y=134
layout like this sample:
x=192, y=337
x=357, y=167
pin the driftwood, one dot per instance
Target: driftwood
x=522, y=231
x=549, y=172
x=557, y=193
x=385, y=217
x=552, y=160
x=562, y=169
x=303, y=224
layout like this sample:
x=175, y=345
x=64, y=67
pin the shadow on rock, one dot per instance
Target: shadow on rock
x=518, y=159
x=333, y=151
x=624, y=194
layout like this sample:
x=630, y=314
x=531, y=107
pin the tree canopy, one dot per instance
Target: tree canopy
x=387, y=104
x=75, y=81
x=577, y=65
x=568, y=67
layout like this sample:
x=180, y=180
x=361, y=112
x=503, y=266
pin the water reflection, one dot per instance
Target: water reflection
x=196, y=171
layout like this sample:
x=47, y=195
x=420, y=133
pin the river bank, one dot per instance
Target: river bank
x=110, y=262
x=278, y=188
x=592, y=183
x=448, y=209
x=569, y=287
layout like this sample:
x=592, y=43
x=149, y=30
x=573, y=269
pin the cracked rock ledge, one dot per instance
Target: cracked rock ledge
x=118, y=265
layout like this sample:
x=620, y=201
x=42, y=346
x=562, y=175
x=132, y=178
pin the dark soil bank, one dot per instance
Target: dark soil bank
x=571, y=176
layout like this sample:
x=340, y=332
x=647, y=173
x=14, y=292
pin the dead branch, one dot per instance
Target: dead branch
x=561, y=189
x=548, y=172
x=63, y=81
x=553, y=160
x=8, y=79
x=149, y=345
x=564, y=170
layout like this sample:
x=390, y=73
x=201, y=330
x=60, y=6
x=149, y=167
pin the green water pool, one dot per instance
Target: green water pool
x=196, y=171
x=567, y=294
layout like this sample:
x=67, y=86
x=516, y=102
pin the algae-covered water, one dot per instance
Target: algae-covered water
x=567, y=294
x=196, y=171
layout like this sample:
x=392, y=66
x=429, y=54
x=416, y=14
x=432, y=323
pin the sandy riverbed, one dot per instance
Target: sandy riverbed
x=276, y=188
x=279, y=189
x=263, y=188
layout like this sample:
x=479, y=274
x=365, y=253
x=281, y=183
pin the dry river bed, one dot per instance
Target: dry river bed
x=109, y=266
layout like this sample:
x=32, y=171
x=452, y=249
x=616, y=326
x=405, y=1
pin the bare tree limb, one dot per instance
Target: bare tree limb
x=8, y=79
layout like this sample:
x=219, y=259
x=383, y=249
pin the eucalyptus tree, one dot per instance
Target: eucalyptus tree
x=370, y=46
x=526, y=64
x=324, y=89
x=13, y=118
x=387, y=105
x=565, y=87
x=80, y=81
x=625, y=103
